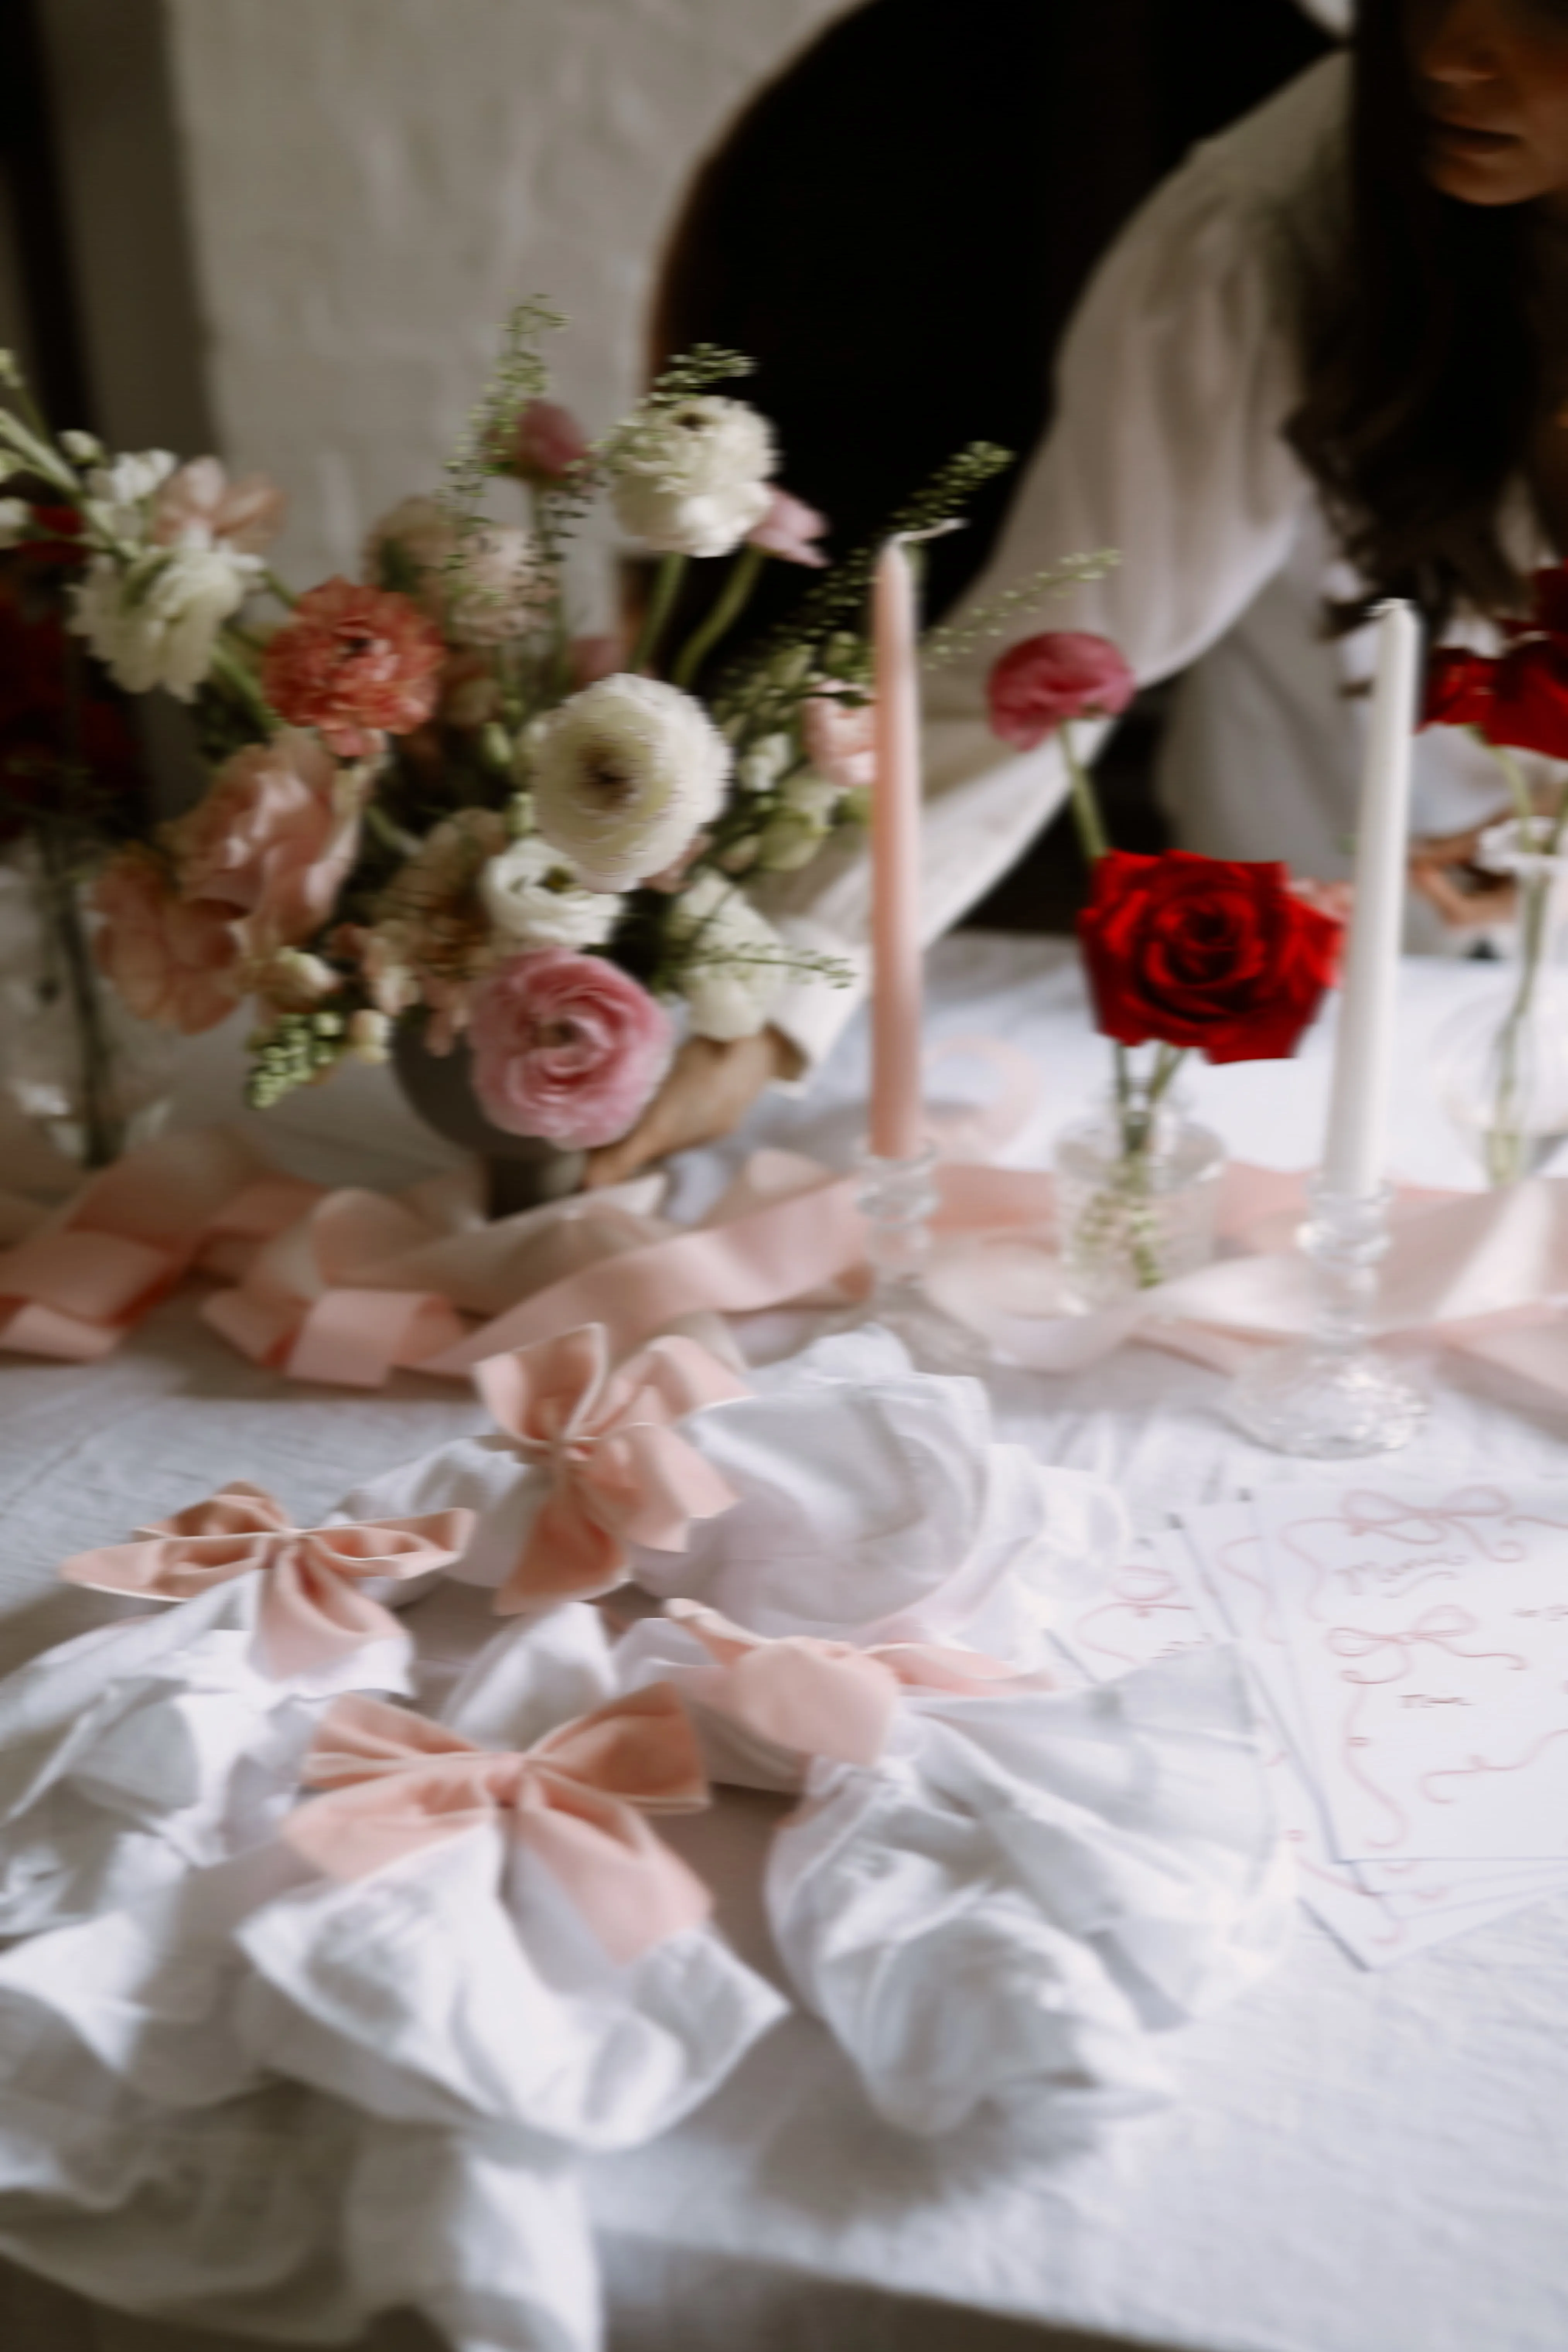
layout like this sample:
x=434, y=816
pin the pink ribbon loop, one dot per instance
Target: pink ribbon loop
x=1476, y=1512
x=826, y=1698
x=622, y=1472
x=311, y=1610
x=397, y=1784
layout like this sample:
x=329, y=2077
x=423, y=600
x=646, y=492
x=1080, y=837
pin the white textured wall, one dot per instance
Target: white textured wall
x=374, y=182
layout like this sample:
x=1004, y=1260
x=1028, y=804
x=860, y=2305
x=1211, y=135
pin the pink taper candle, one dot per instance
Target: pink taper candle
x=895, y=1125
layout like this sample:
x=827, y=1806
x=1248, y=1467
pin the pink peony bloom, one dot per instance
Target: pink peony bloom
x=171, y=961
x=198, y=506
x=273, y=840
x=592, y=659
x=549, y=442
x=1061, y=675
x=789, y=530
x=354, y=663
x=840, y=741
x=566, y=1047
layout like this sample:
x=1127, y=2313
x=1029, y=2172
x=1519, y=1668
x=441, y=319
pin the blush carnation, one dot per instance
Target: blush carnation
x=566, y=1047
x=353, y=663
x=171, y=959
x=790, y=529
x=274, y=838
x=1061, y=675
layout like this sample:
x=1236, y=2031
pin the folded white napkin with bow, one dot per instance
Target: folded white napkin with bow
x=992, y=1893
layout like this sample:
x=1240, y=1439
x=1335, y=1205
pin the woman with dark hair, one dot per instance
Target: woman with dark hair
x=1324, y=363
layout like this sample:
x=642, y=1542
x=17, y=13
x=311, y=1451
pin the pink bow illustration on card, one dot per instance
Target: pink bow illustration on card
x=826, y=1699
x=396, y=1783
x=312, y=1608
x=622, y=1472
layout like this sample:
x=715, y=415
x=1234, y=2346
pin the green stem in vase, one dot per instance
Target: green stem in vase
x=1505, y=1141
x=728, y=606
x=1093, y=839
x=667, y=583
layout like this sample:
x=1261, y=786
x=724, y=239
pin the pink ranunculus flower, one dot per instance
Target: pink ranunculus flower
x=790, y=529
x=1062, y=674
x=549, y=442
x=273, y=840
x=840, y=741
x=171, y=960
x=566, y=1047
x=354, y=663
x=198, y=506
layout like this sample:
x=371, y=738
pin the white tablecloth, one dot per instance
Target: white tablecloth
x=1355, y=2163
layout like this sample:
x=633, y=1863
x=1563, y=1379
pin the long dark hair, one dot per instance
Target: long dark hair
x=1418, y=363
x=899, y=226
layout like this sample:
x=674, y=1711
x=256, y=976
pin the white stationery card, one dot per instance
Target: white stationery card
x=1427, y=1631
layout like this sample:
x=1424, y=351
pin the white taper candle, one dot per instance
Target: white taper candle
x=1363, y=1059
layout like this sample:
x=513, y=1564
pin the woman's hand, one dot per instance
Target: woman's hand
x=1443, y=872
x=710, y=1089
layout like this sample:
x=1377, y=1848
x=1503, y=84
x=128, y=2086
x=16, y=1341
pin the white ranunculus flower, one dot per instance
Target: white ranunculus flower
x=734, y=964
x=16, y=515
x=536, y=902
x=694, y=478
x=155, y=621
x=623, y=775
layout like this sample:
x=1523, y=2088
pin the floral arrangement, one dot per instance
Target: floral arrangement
x=1517, y=701
x=436, y=807
x=1183, y=953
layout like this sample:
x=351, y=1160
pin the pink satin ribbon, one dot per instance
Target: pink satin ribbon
x=399, y=1783
x=345, y=1286
x=311, y=1610
x=622, y=1472
x=826, y=1699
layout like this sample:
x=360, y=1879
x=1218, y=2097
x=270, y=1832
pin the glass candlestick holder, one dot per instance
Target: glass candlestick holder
x=1329, y=1396
x=897, y=1199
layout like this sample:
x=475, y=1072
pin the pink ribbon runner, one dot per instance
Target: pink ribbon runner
x=311, y=1610
x=826, y=1699
x=622, y=1474
x=399, y=1783
x=345, y=1286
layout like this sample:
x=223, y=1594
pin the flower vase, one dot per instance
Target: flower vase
x=1137, y=1185
x=1504, y=1072
x=521, y=1171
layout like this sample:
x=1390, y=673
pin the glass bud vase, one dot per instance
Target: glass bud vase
x=1503, y=1074
x=1137, y=1195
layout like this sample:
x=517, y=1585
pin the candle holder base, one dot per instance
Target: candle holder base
x=1329, y=1396
x=896, y=1201
x=1314, y=1399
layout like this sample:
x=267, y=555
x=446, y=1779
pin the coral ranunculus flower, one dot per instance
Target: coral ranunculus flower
x=1062, y=674
x=1204, y=952
x=173, y=961
x=355, y=663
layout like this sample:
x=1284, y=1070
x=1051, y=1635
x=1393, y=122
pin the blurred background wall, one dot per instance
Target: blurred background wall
x=293, y=224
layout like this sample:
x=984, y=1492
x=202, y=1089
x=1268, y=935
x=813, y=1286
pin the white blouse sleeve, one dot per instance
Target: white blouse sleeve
x=1173, y=384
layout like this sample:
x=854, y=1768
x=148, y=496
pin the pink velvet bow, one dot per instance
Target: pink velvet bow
x=826, y=1699
x=310, y=1610
x=399, y=1783
x=622, y=1474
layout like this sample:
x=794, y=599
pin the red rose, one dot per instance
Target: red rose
x=1529, y=699
x=1204, y=952
x=1458, y=688
x=1062, y=674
